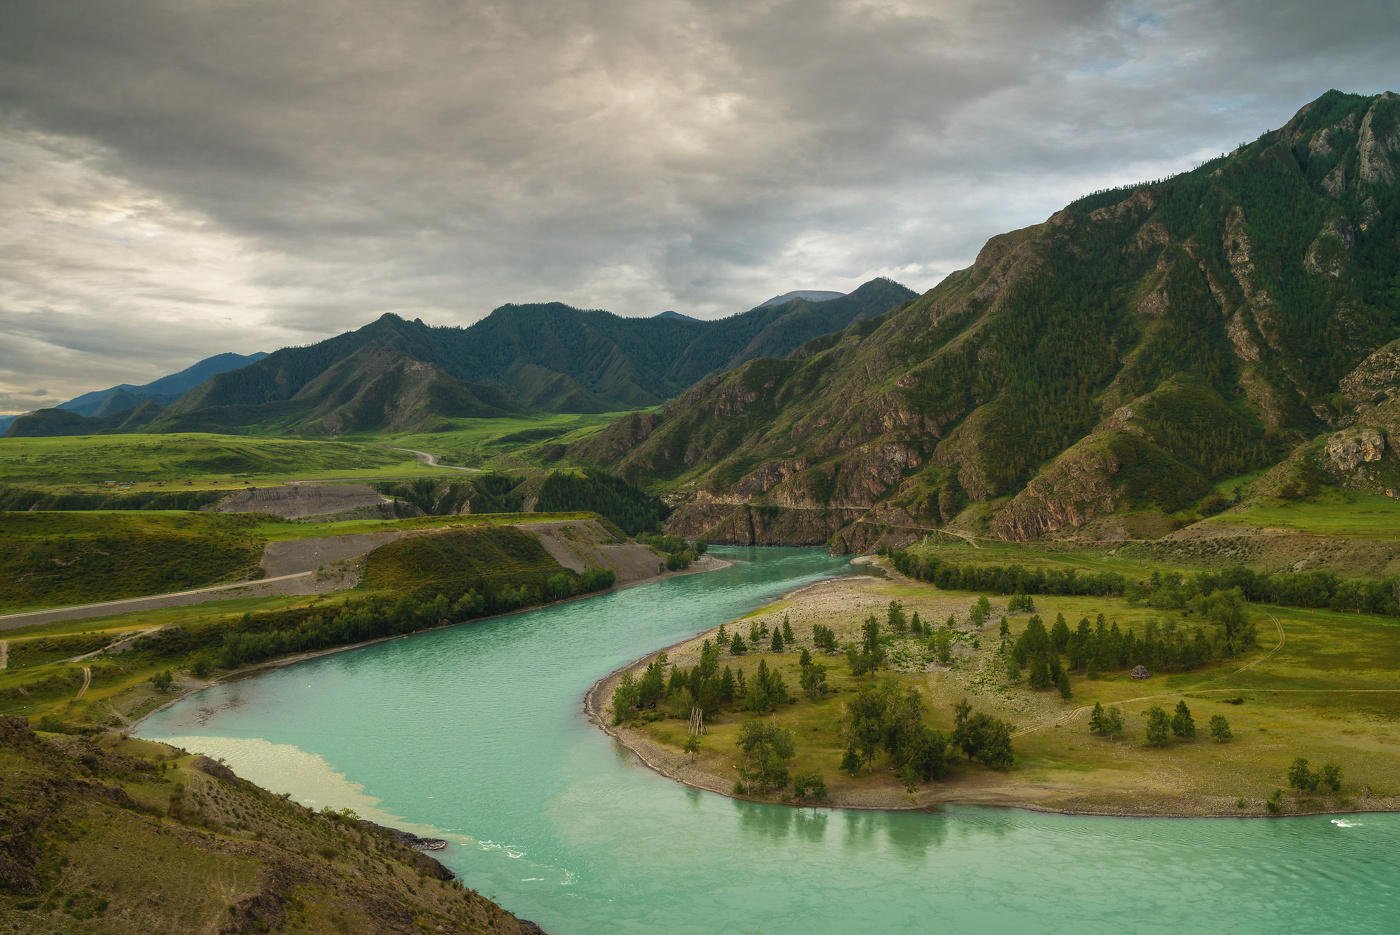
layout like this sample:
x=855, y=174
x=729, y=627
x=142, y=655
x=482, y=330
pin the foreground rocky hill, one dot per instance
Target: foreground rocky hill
x=111, y=834
x=1095, y=373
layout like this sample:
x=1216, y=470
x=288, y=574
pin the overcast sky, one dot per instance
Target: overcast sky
x=180, y=178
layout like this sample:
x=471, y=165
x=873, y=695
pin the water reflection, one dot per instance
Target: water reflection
x=911, y=834
x=766, y=820
x=810, y=824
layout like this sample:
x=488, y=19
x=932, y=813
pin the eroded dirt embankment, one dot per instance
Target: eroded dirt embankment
x=294, y=501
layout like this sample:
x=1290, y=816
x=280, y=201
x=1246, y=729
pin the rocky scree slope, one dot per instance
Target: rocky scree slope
x=1094, y=371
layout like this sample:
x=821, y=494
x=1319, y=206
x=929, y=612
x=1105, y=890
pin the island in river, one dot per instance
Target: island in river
x=1299, y=692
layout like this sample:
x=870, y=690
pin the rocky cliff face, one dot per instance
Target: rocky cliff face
x=1118, y=358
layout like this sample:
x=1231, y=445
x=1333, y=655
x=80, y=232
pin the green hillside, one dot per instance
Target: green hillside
x=201, y=458
x=1117, y=360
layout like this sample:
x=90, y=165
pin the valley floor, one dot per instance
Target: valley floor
x=1321, y=685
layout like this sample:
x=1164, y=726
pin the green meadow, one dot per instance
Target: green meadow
x=497, y=444
x=192, y=460
x=1333, y=512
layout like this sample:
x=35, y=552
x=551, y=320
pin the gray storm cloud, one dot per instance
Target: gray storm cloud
x=181, y=179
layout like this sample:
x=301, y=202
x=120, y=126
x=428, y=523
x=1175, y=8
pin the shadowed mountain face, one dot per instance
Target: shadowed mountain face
x=394, y=374
x=1085, y=374
x=163, y=391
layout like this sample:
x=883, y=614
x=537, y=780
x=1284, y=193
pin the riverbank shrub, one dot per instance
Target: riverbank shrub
x=259, y=637
x=1168, y=590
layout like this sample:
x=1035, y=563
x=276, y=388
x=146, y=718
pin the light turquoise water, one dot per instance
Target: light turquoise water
x=477, y=732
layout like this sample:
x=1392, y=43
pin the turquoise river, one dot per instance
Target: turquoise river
x=476, y=734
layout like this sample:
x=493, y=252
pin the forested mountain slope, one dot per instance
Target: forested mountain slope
x=1113, y=361
x=394, y=374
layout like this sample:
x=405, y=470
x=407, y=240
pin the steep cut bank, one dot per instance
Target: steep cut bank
x=1098, y=373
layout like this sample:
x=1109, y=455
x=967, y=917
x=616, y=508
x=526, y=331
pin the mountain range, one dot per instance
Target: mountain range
x=163, y=391
x=395, y=375
x=1095, y=374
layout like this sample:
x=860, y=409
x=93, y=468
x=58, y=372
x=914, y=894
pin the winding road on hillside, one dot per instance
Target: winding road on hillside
x=432, y=460
x=126, y=605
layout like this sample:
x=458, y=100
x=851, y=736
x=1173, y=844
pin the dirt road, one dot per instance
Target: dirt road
x=432, y=460
x=153, y=602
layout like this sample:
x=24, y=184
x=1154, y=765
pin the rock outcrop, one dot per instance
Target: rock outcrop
x=1351, y=447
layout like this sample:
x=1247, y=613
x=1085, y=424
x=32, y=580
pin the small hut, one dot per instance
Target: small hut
x=1140, y=673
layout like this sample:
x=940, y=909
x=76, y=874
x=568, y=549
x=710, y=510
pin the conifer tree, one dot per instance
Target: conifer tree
x=850, y=762
x=1040, y=672
x=1063, y=685
x=894, y=617
x=1158, y=726
x=916, y=626
x=722, y=637
x=736, y=646
x=1182, y=723
x=806, y=658
x=1113, y=721
x=777, y=644
x=787, y=630
x=1096, y=718
x=728, y=688
x=1220, y=728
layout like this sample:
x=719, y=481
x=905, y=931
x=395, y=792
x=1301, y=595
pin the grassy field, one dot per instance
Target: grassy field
x=204, y=461
x=1330, y=692
x=273, y=531
x=459, y=559
x=1082, y=556
x=57, y=559
x=39, y=654
x=494, y=444
x=1334, y=512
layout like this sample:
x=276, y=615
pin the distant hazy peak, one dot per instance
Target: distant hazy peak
x=676, y=315
x=811, y=295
